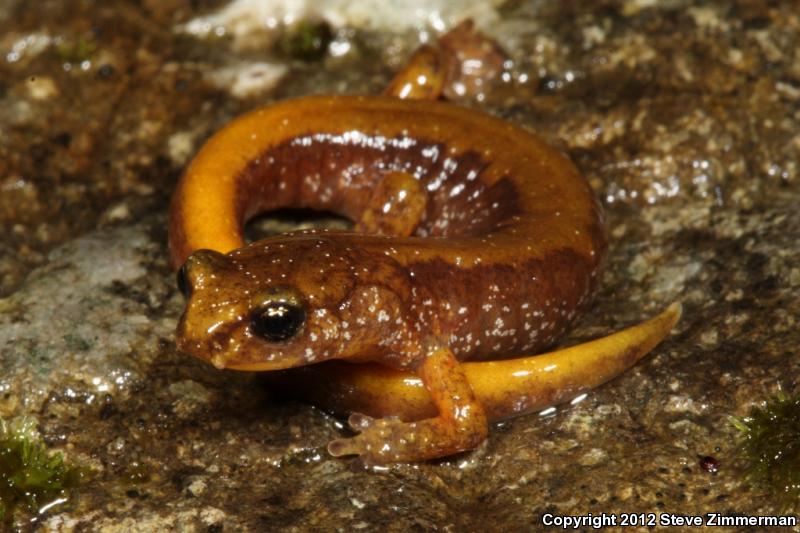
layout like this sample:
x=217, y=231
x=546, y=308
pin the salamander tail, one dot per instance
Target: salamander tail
x=534, y=383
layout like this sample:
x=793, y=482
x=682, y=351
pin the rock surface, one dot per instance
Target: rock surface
x=684, y=115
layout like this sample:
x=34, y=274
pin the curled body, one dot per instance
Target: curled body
x=474, y=242
x=501, y=259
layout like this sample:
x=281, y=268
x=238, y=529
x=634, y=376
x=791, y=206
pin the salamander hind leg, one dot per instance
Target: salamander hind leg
x=461, y=63
x=422, y=78
x=396, y=206
x=460, y=426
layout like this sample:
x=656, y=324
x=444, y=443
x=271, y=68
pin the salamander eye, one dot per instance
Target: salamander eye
x=278, y=321
x=182, y=281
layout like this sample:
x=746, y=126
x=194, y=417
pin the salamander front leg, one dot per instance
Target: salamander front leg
x=460, y=426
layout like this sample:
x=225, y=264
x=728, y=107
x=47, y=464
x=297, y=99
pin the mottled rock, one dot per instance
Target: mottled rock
x=683, y=114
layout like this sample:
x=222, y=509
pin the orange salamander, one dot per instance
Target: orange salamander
x=474, y=241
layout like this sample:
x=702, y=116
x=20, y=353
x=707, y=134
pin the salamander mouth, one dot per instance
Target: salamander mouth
x=261, y=366
x=222, y=357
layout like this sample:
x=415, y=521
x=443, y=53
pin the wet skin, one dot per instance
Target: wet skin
x=473, y=241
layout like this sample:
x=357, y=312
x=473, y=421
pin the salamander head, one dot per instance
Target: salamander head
x=275, y=305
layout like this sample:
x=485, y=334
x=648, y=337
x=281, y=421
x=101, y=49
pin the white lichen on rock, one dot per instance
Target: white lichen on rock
x=243, y=18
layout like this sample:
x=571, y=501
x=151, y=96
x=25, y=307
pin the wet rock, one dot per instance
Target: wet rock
x=683, y=115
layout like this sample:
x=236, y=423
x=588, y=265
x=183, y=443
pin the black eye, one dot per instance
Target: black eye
x=182, y=281
x=278, y=321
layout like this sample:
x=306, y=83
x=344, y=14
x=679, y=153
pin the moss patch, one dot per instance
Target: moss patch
x=307, y=40
x=31, y=478
x=770, y=448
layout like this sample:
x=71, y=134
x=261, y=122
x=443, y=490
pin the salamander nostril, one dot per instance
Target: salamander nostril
x=183, y=281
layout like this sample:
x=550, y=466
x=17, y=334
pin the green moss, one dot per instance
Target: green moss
x=769, y=448
x=306, y=40
x=30, y=477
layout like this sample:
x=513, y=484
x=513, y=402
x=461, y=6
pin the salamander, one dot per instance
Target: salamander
x=473, y=242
